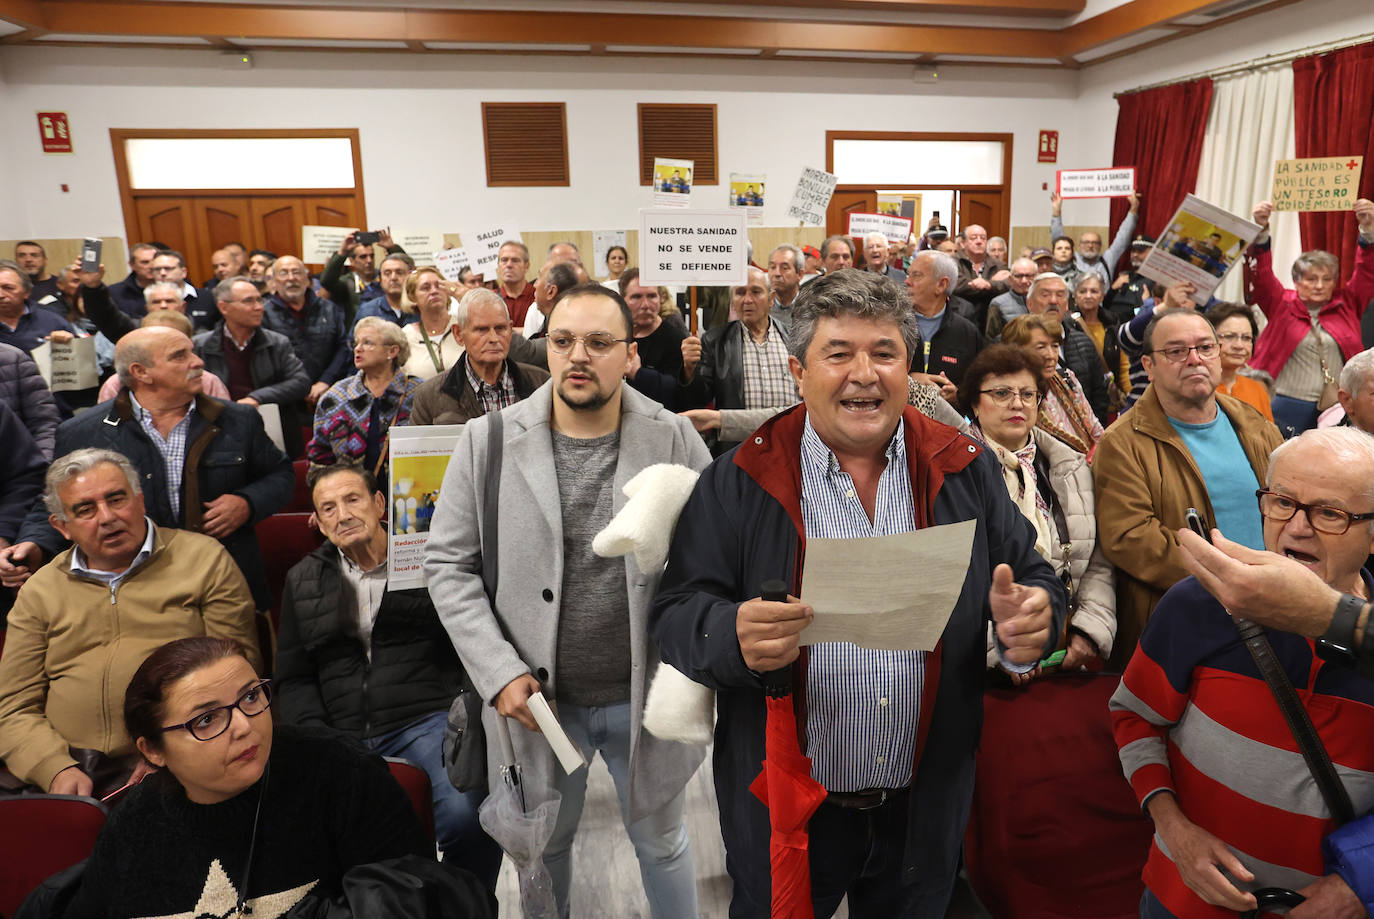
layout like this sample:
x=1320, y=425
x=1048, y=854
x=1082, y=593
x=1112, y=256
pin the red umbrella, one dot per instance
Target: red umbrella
x=786, y=788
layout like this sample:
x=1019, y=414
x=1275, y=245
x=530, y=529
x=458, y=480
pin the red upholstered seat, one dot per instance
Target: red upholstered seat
x=415, y=781
x=285, y=539
x=39, y=836
x=300, y=498
x=1055, y=830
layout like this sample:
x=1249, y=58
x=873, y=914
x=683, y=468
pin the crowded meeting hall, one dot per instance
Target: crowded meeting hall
x=505, y=519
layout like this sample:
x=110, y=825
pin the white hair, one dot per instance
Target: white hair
x=1040, y=279
x=1356, y=371
x=1349, y=446
x=78, y=462
x=156, y=286
x=875, y=235
x=458, y=311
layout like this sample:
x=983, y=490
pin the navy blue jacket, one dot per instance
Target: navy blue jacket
x=321, y=344
x=33, y=328
x=21, y=472
x=128, y=296
x=742, y=526
x=227, y=452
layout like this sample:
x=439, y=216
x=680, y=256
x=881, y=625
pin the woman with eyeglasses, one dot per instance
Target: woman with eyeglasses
x=241, y=819
x=1051, y=484
x=1236, y=333
x=1313, y=329
x=1065, y=412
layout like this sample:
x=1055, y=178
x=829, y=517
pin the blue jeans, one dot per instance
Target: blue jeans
x=461, y=838
x=1151, y=908
x=660, y=838
x=1293, y=416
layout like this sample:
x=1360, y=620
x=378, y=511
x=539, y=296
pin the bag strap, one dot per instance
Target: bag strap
x=1327, y=378
x=1309, y=743
x=491, y=492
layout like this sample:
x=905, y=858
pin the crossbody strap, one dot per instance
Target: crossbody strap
x=491, y=494
x=1309, y=743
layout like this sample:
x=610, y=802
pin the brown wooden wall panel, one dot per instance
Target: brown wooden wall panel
x=682, y=132
x=526, y=143
x=279, y=224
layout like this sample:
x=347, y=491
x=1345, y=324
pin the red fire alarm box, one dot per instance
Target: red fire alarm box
x=1049, y=147
x=54, y=131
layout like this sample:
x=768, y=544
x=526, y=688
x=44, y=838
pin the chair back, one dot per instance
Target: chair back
x=41, y=835
x=415, y=781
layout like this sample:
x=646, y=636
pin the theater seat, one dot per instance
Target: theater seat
x=39, y=836
x=415, y=781
x=300, y=498
x=285, y=539
x=1055, y=830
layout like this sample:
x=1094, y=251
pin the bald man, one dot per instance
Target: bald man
x=981, y=277
x=315, y=326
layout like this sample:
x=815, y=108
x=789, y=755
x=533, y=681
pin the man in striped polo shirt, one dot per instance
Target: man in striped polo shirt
x=1201, y=737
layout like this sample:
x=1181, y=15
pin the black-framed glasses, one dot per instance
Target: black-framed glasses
x=1003, y=395
x=1177, y=354
x=1324, y=519
x=1232, y=337
x=209, y=724
x=598, y=344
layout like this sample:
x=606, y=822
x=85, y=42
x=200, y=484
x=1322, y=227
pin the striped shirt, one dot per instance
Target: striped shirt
x=493, y=398
x=862, y=705
x=767, y=381
x=172, y=448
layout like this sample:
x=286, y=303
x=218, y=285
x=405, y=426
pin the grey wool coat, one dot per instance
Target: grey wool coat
x=530, y=577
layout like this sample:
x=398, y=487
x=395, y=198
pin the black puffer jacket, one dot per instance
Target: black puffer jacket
x=323, y=673
x=23, y=389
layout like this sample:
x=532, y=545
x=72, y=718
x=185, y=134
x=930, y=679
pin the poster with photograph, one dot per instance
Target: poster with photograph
x=746, y=191
x=1323, y=183
x=1201, y=243
x=812, y=196
x=418, y=459
x=602, y=241
x=673, y=182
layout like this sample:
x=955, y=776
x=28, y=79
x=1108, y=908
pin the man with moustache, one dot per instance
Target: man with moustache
x=314, y=325
x=1006, y=307
x=204, y=465
x=564, y=621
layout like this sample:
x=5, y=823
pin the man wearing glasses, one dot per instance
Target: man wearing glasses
x=84, y=623
x=564, y=621
x=1182, y=445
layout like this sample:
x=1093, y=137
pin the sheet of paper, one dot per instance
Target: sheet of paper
x=451, y=262
x=568, y=755
x=271, y=421
x=892, y=593
x=319, y=243
x=68, y=367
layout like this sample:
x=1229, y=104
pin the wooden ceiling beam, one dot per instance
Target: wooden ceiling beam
x=23, y=12
x=1048, y=8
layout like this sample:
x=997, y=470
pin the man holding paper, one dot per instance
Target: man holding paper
x=890, y=733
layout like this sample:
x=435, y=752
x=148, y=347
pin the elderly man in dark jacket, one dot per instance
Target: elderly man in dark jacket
x=207, y=466
x=372, y=662
x=891, y=735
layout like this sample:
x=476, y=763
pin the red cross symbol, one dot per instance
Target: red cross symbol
x=1352, y=164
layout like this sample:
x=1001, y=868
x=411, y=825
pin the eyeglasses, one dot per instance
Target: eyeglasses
x=1324, y=519
x=1179, y=353
x=1003, y=395
x=1232, y=337
x=208, y=725
x=598, y=344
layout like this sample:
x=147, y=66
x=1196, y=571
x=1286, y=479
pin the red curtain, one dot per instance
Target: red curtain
x=1159, y=132
x=1333, y=107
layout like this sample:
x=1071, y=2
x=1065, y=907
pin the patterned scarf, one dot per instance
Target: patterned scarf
x=1018, y=471
x=1066, y=419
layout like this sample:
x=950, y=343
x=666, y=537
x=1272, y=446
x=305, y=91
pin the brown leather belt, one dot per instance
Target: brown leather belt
x=862, y=800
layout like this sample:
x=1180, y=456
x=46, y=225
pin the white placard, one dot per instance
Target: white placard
x=1096, y=183
x=320, y=244
x=569, y=757
x=693, y=247
x=420, y=246
x=812, y=197
x=68, y=367
x=746, y=191
x=896, y=229
x=271, y=422
x=418, y=460
x=602, y=241
x=1199, y=246
x=451, y=262
x=673, y=182
x=484, y=246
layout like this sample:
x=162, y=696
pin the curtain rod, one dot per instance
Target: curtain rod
x=1255, y=63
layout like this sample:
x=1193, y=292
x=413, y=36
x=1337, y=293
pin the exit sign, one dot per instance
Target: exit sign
x=1049, y=147
x=54, y=132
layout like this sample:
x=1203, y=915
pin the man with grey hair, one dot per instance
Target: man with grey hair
x=564, y=251
x=876, y=247
x=83, y=624
x=890, y=734
x=785, y=264
x=208, y=465
x=1049, y=294
x=1007, y=306
x=1088, y=254
x=484, y=379
x=20, y=325
x=555, y=276
x=837, y=252
x=1356, y=393
x=314, y=326
x=949, y=342
x=512, y=265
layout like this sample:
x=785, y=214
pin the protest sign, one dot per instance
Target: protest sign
x=672, y=182
x=418, y=460
x=746, y=191
x=451, y=262
x=693, y=247
x=1324, y=183
x=484, y=247
x=602, y=241
x=270, y=413
x=1096, y=183
x=1199, y=246
x=318, y=244
x=896, y=229
x=420, y=246
x=69, y=366
x=812, y=197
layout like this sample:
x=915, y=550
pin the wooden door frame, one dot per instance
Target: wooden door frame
x=127, y=194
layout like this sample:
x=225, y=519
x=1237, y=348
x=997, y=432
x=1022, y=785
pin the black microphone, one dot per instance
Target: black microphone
x=776, y=683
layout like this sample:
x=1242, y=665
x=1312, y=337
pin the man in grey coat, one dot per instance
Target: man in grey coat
x=571, y=624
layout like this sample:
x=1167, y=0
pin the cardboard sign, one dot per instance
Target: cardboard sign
x=1323, y=183
x=54, y=132
x=68, y=367
x=320, y=244
x=1096, y=183
x=1201, y=243
x=896, y=229
x=812, y=197
x=484, y=247
x=420, y=246
x=693, y=247
x=451, y=262
x=673, y=182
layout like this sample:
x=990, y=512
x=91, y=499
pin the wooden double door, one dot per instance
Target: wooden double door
x=981, y=206
x=198, y=224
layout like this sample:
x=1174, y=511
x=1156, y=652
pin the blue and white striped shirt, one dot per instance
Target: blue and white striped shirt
x=172, y=448
x=862, y=706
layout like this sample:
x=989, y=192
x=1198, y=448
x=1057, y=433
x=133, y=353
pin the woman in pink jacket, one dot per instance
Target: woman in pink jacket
x=1312, y=330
